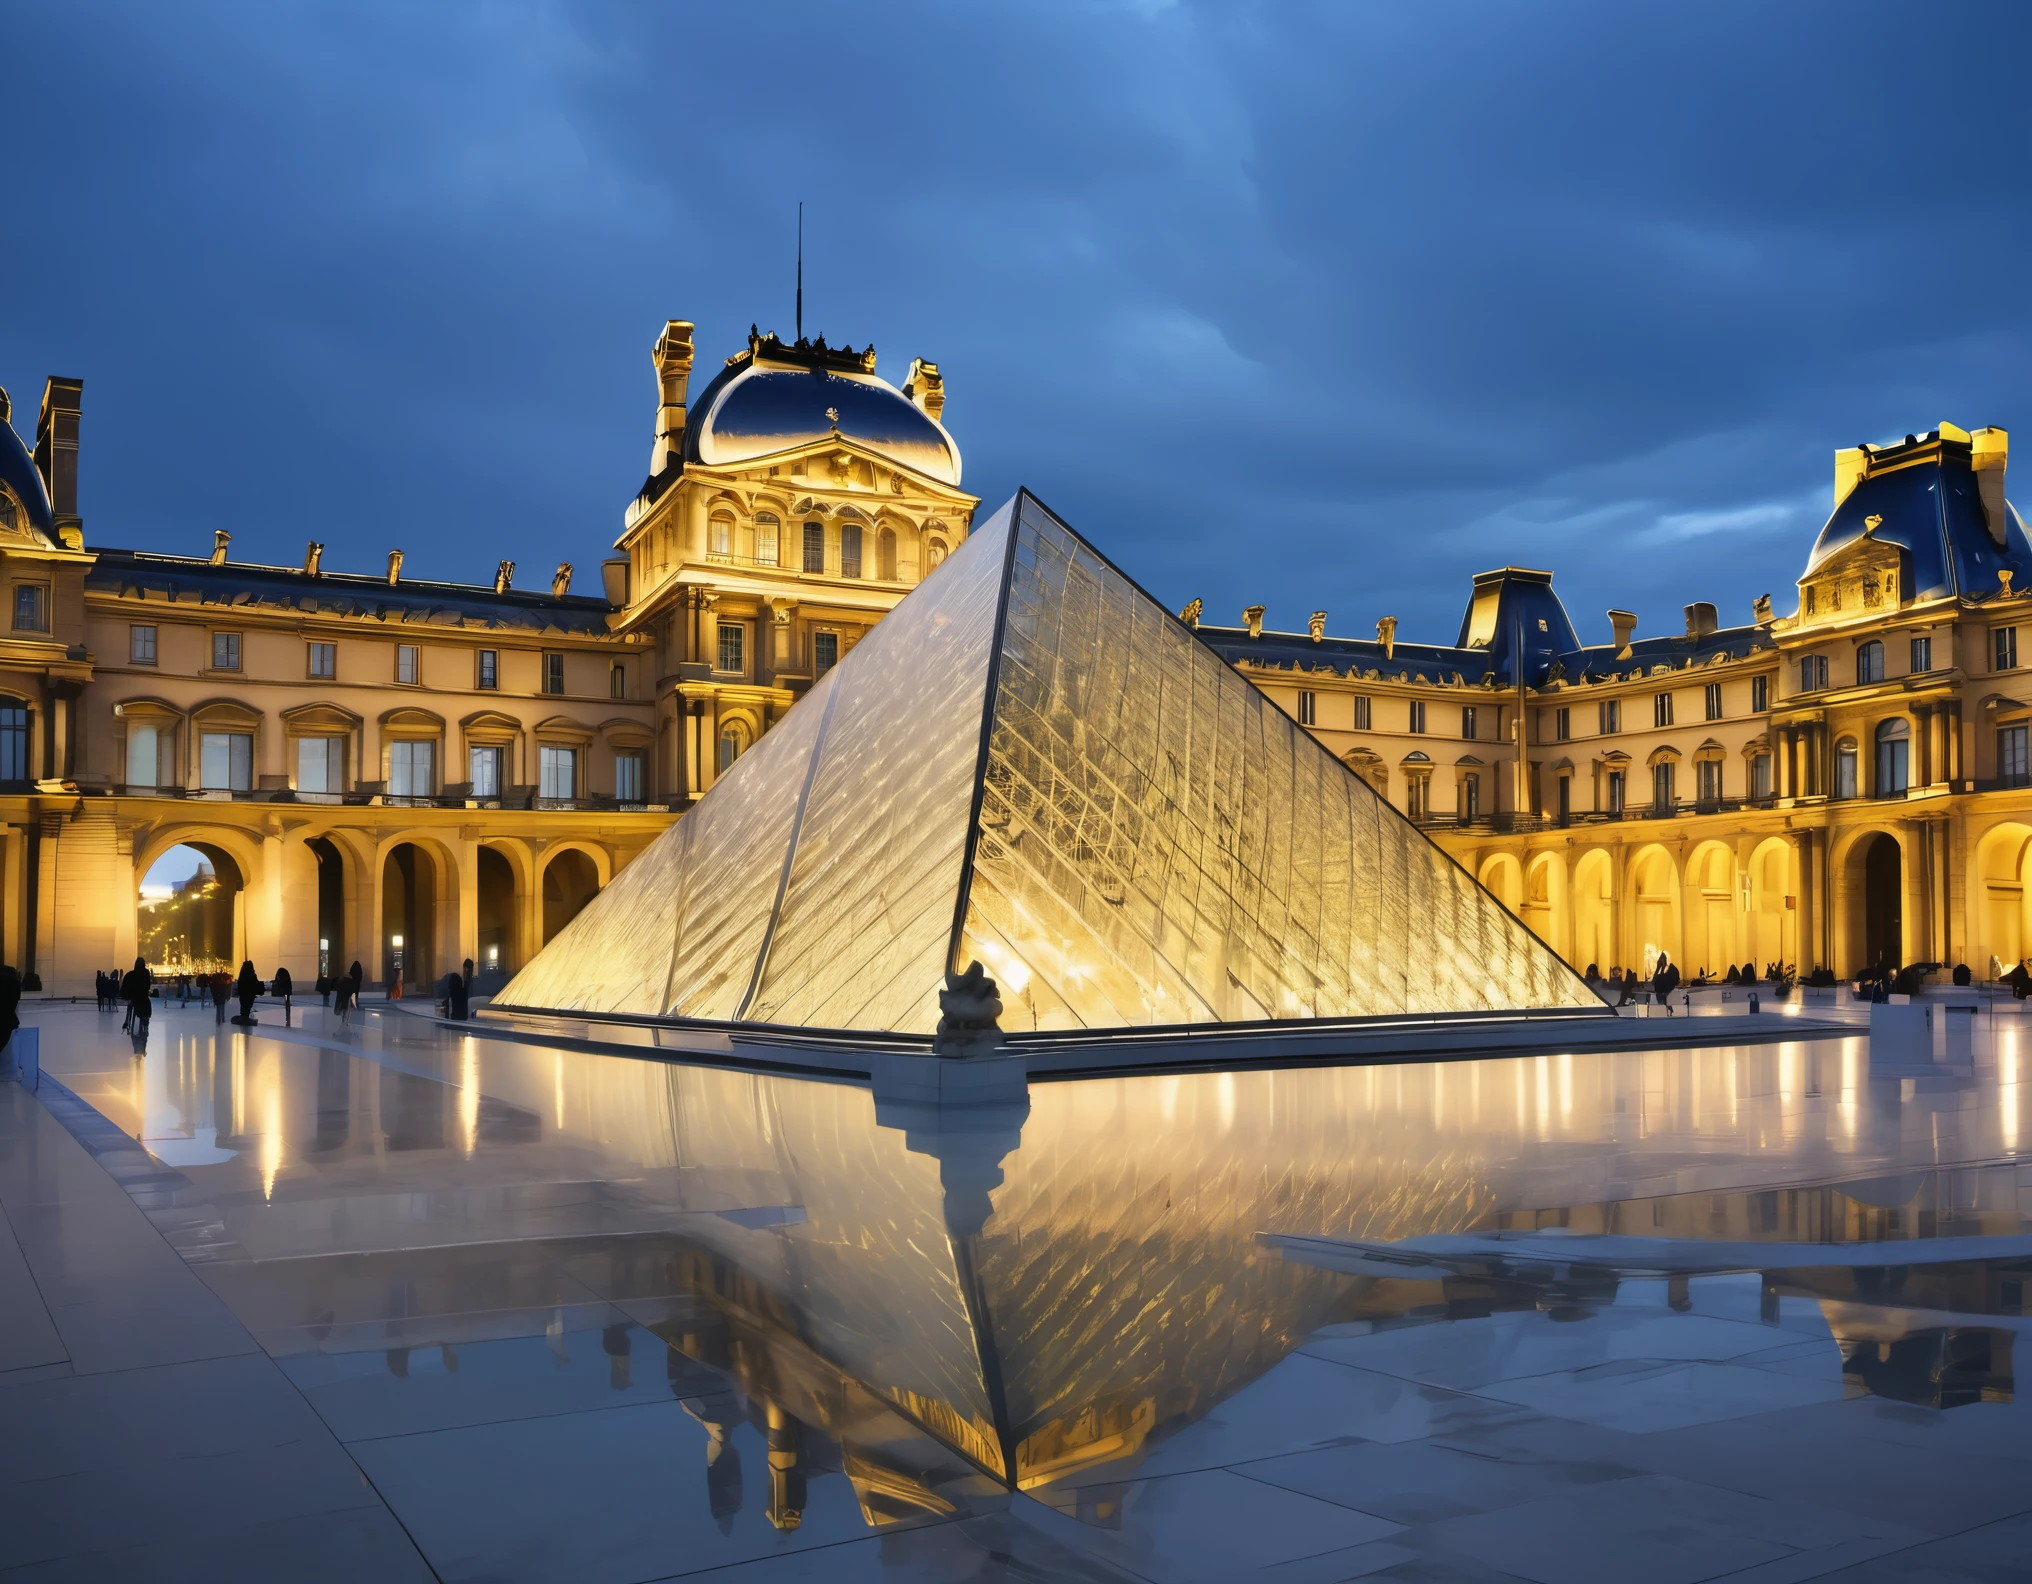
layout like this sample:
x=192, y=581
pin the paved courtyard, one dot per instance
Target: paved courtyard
x=392, y=1303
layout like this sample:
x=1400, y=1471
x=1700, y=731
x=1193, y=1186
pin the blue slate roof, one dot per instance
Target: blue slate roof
x=188, y=579
x=18, y=473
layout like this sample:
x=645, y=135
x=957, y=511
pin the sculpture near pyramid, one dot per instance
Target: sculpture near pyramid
x=1031, y=762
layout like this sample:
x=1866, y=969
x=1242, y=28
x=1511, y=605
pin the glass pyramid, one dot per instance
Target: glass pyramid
x=1032, y=763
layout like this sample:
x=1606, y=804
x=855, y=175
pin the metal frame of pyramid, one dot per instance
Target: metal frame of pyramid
x=1032, y=763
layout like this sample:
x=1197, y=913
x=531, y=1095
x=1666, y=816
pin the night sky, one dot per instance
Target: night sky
x=1313, y=306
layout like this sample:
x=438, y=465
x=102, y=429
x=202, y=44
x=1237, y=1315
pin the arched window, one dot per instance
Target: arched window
x=934, y=552
x=1870, y=662
x=885, y=555
x=720, y=537
x=1894, y=746
x=1845, y=768
x=768, y=537
x=13, y=740
x=733, y=739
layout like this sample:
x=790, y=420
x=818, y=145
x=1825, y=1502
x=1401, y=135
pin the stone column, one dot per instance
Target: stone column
x=1954, y=743
x=1807, y=909
x=1936, y=769
x=468, y=944
x=263, y=903
x=46, y=871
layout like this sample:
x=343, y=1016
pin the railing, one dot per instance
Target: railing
x=796, y=568
x=1517, y=824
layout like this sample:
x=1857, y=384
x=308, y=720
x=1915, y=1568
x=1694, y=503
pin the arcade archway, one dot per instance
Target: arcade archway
x=191, y=916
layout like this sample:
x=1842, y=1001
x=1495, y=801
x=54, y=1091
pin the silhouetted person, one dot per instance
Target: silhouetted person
x=455, y=998
x=220, y=988
x=324, y=989
x=284, y=987
x=248, y=988
x=348, y=990
x=1664, y=980
x=10, y=1004
x=134, y=991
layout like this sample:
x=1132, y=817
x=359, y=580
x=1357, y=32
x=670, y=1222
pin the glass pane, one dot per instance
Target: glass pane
x=628, y=777
x=1161, y=844
x=215, y=762
x=311, y=772
x=485, y=769
x=141, y=744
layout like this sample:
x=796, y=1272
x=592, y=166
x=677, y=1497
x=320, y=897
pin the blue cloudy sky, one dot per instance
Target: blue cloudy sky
x=1314, y=305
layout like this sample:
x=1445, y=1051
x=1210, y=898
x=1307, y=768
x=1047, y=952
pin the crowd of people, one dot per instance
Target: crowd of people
x=137, y=990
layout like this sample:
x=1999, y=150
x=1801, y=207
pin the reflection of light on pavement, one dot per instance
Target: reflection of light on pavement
x=557, y=1093
x=1544, y=1071
x=271, y=1125
x=239, y=1087
x=469, y=1094
x=1565, y=1087
x=2007, y=1086
x=1848, y=1088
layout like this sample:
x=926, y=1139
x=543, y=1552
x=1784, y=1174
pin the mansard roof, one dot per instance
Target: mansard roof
x=191, y=580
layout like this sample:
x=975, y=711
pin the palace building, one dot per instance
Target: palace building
x=410, y=773
x=1844, y=784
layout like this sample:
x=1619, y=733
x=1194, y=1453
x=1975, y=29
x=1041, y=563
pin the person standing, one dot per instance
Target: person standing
x=10, y=1004
x=222, y=987
x=1664, y=980
x=136, y=988
x=348, y=992
x=284, y=987
x=248, y=988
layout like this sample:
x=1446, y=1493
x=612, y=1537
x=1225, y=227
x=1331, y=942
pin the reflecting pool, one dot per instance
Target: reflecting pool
x=1680, y=1313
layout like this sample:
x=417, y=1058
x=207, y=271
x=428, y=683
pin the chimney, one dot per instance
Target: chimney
x=1622, y=624
x=394, y=567
x=1988, y=450
x=1253, y=615
x=504, y=577
x=614, y=579
x=926, y=387
x=560, y=580
x=1701, y=619
x=311, y=557
x=220, y=541
x=1386, y=635
x=672, y=356
x=1851, y=467
x=56, y=452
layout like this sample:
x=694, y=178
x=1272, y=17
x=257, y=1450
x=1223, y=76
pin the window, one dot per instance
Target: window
x=720, y=536
x=320, y=764
x=1661, y=709
x=1714, y=701
x=490, y=668
x=226, y=762
x=225, y=651
x=767, y=534
x=617, y=682
x=1610, y=717
x=411, y=767
x=31, y=607
x=1663, y=794
x=1417, y=795
x=553, y=673
x=934, y=553
x=1709, y=773
x=2014, y=769
x=1416, y=714
x=1363, y=715
x=825, y=653
x=733, y=646
x=730, y=748
x=1308, y=709
x=483, y=765
x=1471, y=799
x=1813, y=673
x=1467, y=721
x=557, y=772
x=142, y=759
x=1894, y=745
x=814, y=547
x=1760, y=776
x=1845, y=768
x=1922, y=654
x=1615, y=791
x=850, y=550
x=1760, y=695
x=2004, y=648
x=1565, y=798
x=1562, y=724
x=13, y=741
x=885, y=555
x=405, y=663
x=1869, y=663
x=141, y=646
x=324, y=660
x=628, y=777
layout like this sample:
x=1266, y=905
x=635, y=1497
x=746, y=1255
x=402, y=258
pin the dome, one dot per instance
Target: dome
x=776, y=398
x=24, y=503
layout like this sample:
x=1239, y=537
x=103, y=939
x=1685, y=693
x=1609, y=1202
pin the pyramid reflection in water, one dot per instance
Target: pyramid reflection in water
x=1032, y=763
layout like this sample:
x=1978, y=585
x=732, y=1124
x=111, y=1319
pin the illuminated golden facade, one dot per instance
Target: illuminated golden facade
x=412, y=773
x=1033, y=765
x=1845, y=784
